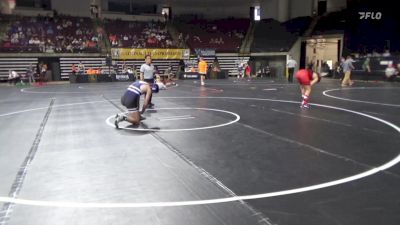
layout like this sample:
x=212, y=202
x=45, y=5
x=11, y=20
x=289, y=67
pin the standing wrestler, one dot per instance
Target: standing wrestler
x=307, y=78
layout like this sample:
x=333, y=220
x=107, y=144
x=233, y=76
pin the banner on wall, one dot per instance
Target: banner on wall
x=134, y=53
x=205, y=52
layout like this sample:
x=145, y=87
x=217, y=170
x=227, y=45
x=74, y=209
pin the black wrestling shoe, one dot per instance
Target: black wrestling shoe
x=118, y=119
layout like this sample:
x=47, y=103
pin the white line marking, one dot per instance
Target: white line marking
x=311, y=117
x=375, y=113
x=367, y=173
x=180, y=118
x=237, y=118
x=56, y=106
x=270, y=89
x=353, y=100
x=328, y=121
x=26, y=90
x=169, y=117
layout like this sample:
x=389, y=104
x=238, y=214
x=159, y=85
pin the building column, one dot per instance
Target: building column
x=283, y=10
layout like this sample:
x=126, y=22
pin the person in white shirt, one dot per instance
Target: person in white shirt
x=291, y=65
x=386, y=53
x=147, y=72
x=13, y=77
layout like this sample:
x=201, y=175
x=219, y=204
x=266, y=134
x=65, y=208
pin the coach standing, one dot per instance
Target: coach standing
x=147, y=72
x=347, y=68
x=291, y=65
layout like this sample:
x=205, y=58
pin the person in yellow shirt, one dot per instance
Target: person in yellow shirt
x=202, y=69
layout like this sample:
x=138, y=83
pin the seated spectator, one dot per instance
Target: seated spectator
x=391, y=72
x=74, y=69
x=386, y=53
x=81, y=68
x=90, y=71
x=13, y=77
x=375, y=54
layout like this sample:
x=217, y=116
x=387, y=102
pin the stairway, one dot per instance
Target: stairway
x=248, y=40
x=104, y=44
x=175, y=35
x=312, y=26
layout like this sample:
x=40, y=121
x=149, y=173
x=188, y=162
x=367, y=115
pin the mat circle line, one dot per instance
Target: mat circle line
x=348, y=179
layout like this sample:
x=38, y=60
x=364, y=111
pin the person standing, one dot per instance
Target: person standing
x=147, y=72
x=291, y=65
x=215, y=69
x=347, y=68
x=307, y=78
x=248, y=71
x=202, y=69
x=240, y=70
x=366, y=68
x=81, y=68
x=30, y=74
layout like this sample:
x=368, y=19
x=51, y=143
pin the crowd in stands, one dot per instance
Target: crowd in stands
x=223, y=35
x=131, y=34
x=51, y=34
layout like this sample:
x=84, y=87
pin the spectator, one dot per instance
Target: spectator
x=43, y=71
x=74, y=69
x=391, y=72
x=291, y=65
x=248, y=71
x=366, y=67
x=13, y=77
x=386, y=53
x=337, y=70
x=81, y=68
x=215, y=68
x=30, y=74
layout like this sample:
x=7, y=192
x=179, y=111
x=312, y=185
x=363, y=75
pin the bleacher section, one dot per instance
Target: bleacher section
x=20, y=65
x=222, y=35
x=50, y=35
x=230, y=63
x=129, y=34
x=272, y=36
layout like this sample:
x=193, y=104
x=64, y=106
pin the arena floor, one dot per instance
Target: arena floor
x=227, y=153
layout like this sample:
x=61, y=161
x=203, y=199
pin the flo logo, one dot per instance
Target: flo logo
x=370, y=15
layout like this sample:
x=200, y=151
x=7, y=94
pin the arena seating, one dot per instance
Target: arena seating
x=45, y=34
x=222, y=35
x=138, y=34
